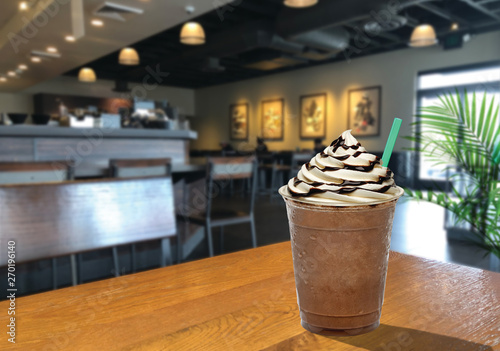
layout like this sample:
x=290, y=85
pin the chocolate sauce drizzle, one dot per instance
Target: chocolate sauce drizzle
x=346, y=186
x=368, y=168
x=340, y=142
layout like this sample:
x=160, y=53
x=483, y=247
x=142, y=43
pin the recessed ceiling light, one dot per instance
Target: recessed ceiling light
x=23, y=6
x=52, y=49
x=455, y=26
x=36, y=59
x=70, y=38
x=97, y=23
x=22, y=67
x=3, y=79
x=11, y=74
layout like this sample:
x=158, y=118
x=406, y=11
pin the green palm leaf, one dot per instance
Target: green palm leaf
x=469, y=143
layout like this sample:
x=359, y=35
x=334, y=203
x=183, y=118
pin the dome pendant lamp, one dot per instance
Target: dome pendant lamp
x=87, y=75
x=300, y=3
x=192, y=33
x=128, y=57
x=423, y=35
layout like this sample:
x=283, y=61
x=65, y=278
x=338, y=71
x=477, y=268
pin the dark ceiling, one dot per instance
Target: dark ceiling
x=253, y=38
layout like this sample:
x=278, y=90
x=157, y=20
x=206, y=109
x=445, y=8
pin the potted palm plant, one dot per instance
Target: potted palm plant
x=469, y=149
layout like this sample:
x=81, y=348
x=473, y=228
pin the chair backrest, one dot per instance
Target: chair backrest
x=224, y=169
x=35, y=172
x=58, y=219
x=231, y=167
x=132, y=168
x=267, y=157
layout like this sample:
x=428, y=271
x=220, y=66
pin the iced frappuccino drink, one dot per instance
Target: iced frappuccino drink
x=340, y=209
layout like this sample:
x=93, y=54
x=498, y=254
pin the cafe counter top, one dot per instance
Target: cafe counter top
x=91, y=149
x=62, y=132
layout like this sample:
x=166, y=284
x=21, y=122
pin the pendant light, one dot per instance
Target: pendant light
x=423, y=35
x=192, y=33
x=87, y=75
x=129, y=57
x=300, y=3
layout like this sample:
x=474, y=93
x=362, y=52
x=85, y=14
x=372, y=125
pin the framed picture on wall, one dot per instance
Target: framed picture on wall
x=272, y=119
x=238, y=122
x=364, y=111
x=313, y=116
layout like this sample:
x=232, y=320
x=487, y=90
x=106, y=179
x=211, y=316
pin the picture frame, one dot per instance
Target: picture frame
x=272, y=119
x=238, y=121
x=312, y=116
x=364, y=111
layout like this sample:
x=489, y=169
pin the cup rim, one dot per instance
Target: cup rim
x=304, y=200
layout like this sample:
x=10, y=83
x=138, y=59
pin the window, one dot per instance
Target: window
x=484, y=78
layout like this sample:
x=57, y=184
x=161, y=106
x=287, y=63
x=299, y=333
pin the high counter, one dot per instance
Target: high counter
x=91, y=148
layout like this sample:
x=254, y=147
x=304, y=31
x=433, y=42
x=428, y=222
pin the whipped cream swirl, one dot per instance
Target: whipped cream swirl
x=344, y=173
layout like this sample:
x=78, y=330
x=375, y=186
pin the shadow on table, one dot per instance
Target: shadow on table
x=391, y=338
x=384, y=338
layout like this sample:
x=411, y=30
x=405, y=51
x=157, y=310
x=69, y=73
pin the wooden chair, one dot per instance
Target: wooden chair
x=35, y=172
x=223, y=170
x=187, y=192
x=133, y=168
x=39, y=172
x=56, y=219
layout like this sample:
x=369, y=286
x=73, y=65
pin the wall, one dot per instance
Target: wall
x=20, y=103
x=23, y=102
x=395, y=71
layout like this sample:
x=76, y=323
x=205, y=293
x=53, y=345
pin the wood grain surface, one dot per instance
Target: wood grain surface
x=246, y=301
x=56, y=219
x=32, y=166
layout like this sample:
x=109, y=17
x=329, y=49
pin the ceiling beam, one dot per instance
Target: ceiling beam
x=483, y=2
x=442, y=13
x=389, y=36
x=411, y=22
x=482, y=9
x=372, y=41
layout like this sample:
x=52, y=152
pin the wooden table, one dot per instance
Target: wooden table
x=246, y=301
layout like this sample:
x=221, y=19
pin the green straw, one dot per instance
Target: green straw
x=391, y=141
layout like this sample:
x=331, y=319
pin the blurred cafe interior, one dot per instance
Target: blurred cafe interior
x=141, y=134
